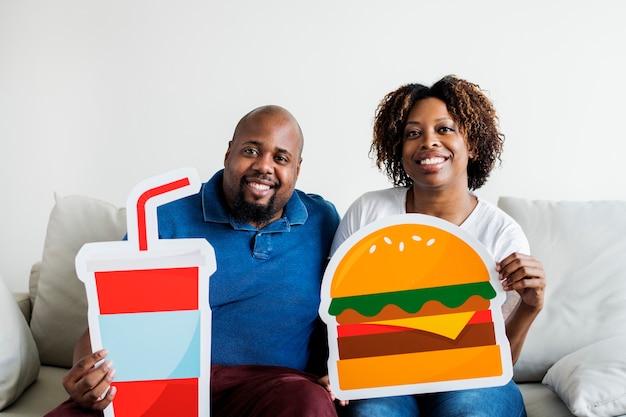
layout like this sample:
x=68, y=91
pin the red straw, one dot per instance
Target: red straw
x=141, y=207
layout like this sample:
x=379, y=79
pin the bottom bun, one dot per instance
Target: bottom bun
x=420, y=367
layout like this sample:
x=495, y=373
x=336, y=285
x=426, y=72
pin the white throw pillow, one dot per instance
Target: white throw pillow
x=592, y=380
x=19, y=361
x=60, y=309
x=582, y=246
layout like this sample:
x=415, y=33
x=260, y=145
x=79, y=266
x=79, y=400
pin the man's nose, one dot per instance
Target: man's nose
x=264, y=163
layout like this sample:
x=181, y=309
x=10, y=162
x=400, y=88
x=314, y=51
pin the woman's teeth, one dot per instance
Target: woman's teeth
x=431, y=161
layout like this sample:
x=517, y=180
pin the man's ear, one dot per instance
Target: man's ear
x=227, y=154
x=298, y=168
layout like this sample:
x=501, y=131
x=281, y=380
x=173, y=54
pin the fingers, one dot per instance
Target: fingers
x=325, y=382
x=104, y=399
x=524, y=274
x=88, y=384
x=84, y=365
x=518, y=271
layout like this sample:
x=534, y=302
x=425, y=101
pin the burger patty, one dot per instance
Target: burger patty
x=409, y=341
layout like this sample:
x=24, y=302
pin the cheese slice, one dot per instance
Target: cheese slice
x=447, y=325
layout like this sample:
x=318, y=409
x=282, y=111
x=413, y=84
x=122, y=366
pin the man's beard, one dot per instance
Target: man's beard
x=258, y=214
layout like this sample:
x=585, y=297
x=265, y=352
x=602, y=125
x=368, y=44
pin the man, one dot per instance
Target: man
x=271, y=244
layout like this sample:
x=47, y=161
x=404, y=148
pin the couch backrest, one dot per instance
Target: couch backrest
x=59, y=314
x=582, y=246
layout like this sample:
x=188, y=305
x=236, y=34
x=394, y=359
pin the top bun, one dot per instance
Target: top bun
x=404, y=257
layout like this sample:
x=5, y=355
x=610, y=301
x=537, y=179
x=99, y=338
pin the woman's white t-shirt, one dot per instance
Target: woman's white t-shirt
x=496, y=230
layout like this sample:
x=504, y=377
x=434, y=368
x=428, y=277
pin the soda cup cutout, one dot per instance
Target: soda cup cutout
x=148, y=305
x=413, y=305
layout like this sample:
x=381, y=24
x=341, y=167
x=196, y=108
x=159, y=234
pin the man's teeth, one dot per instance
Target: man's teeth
x=431, y=161
x=260, y=187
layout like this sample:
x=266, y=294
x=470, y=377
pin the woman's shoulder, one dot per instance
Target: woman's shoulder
x=387, y=199
x=489, y=212
x=498, y=231
x=369, y=207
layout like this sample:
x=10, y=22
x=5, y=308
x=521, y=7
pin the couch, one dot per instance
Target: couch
x=573, y=362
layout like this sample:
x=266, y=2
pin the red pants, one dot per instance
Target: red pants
x=250, y=391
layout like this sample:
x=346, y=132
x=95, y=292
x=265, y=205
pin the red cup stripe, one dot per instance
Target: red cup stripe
x=147, y=290
x=174, y=397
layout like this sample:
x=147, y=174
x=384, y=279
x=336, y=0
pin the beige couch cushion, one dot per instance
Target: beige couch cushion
x=19, y=363
x=583, y=251
x=541, y=401
x=33, y=281
x=60, y=308
x=592, y=380
x=42, y=396
x=24, y=304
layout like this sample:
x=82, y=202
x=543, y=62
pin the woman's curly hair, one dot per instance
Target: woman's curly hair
x=469, y=107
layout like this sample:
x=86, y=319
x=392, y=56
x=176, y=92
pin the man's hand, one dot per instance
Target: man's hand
x=325, y=382
x=89, y=386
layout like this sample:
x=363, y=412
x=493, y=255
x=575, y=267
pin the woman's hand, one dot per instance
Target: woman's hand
x=90, y=386
x=325, y=382
x=524, y=274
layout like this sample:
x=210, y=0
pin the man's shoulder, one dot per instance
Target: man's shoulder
x=177, y=208
x=312, y=199
x=188, y=200
x=317, y=205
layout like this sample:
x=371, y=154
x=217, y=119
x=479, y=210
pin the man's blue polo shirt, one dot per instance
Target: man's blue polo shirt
x=265, y=293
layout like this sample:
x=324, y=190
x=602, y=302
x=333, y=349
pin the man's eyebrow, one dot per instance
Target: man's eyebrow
x=252, y=142
x=282, y=151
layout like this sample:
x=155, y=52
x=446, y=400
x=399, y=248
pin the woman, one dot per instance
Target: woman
x=437, y=144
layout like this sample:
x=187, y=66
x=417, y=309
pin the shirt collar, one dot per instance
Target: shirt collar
x=214, y=208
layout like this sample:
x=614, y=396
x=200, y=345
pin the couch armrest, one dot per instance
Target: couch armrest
x=23, y=301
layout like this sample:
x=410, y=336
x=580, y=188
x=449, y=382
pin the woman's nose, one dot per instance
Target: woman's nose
x=430, y=140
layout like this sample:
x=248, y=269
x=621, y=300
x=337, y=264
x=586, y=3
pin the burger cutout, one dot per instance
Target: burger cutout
x=413, y=305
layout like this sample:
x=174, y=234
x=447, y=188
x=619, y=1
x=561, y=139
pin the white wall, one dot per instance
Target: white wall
x=98, y=95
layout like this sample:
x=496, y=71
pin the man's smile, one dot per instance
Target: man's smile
x=258, y=186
